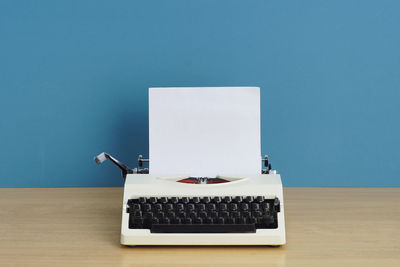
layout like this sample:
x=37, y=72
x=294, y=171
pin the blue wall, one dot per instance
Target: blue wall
x=74, y=78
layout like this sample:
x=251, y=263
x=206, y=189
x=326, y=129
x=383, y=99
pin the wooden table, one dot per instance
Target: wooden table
x=81, y=227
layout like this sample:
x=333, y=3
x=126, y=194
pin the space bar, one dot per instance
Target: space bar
x=203, y=228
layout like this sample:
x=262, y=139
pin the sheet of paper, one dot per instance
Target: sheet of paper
x=204, y=131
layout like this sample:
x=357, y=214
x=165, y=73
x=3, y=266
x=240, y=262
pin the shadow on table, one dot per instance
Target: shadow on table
x=203, y=255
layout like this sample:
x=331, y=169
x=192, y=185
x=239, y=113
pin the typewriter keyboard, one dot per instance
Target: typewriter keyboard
x=228, y=214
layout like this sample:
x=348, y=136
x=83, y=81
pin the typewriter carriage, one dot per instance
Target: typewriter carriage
x=141, y=170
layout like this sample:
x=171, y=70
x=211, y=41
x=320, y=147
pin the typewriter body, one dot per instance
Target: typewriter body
x=243, y=211
x=185, y=209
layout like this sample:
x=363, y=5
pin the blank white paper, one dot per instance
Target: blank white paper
x=204, y=131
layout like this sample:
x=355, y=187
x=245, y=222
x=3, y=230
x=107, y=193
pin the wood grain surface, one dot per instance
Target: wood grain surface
x=81, y=227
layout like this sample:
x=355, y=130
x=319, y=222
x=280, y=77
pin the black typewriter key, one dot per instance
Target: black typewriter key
x=185, y=200
x=232, y=206
x=146, y=207
x=224, y=214
x=227, y=199
x=176, y=221
x=190, y=207
x=206, y=200
x=180, y=207
x=249, y=199
x=169, y=206
x=155, y=220
x=257, y=214
x=136, y=206
x=158, y=207
x=181, y=214
x=153, y=200
x=202, y=214
x=211, y=206
x=217, y=200
x=171, y=214
x=196, y=200
x=260, y=199
x=238, y=199
x=235, y=214
x=174, y=200
x=246, y=214
x=220, y=220
x=131, y=202
x=142, y=200
x=213, y=214
x=200, y=207
x=265, y=206
x=129, y=210
x=192, y=214
x=277, y=205
x=244, y=206
x=223, y=207
x=255, y=206
x=137, y=214
x=198, y=220
x=203, y=228
x=187, y=221
x=160, y=215
x=163, y=200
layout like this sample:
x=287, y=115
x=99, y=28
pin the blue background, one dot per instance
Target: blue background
x=74, y=78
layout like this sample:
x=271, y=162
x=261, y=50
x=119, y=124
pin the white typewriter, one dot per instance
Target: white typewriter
x=204, y=184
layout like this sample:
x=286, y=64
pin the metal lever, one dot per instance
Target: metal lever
x=141, y=160
x=124, y=169
x=266, y=164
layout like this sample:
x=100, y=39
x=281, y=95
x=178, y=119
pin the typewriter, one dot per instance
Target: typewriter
x=234, y=209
